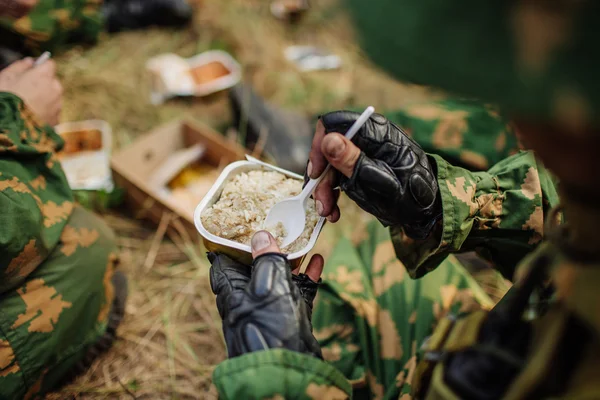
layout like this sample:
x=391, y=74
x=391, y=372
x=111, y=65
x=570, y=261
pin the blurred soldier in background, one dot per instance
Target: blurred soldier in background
x=29, y=27
x=61, y=293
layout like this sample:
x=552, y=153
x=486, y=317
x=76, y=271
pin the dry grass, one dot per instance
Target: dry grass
x=170, y=340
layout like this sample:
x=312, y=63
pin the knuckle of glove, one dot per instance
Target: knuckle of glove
x=226, y=273
x=377, y=137
x=423, y=190
x=373, y=186
x=339, y=121
x=271, y=274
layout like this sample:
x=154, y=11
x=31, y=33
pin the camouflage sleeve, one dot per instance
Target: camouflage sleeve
x=35, y=198
x=54, y=23
x=499, y=213
x=279, y=374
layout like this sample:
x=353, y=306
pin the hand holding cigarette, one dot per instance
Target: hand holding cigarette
x=36, y=83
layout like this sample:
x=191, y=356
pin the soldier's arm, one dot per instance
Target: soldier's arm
x=279, y=374
x=35, y=198
x=500, y=213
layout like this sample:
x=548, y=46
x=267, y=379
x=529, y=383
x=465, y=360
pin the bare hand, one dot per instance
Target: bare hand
x=342, y=154
x=38, y=87
x=16, y=8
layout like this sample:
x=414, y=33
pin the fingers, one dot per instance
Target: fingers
x=48, y=68
x=324, y=195
x=20, y=66
x=335, y=215
x=314, y=269
x=317, y=161
x=341, y=153
x=262, y=243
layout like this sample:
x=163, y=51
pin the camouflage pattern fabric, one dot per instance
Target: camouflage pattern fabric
x=56, y=260
x=537, y=60
x=53, y=23
x=370, y=316
x=500, y=213
x=566, y=337
x=530, y=57
x=370, y=319
x=466, y=133
x=575, y=304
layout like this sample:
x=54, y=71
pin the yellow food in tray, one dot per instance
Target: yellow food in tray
x=192, y=183
x=190, y=174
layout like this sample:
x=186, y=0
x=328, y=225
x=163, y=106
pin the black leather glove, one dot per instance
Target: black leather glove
x=393, y=179
x=263, y=306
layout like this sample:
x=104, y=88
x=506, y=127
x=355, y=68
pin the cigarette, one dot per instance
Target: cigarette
x=42, y=59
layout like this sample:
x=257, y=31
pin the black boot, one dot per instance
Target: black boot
x=289, y=135
x=122, y=15
x=117, y=312
x=8, y=56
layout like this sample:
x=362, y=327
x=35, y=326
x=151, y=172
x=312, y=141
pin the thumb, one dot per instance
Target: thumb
x=341, y=153
x=262, y=243
x=272, y=270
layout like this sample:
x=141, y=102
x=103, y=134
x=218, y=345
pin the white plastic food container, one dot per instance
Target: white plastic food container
x=88, y=170
x=172, y=75
x=239, y=251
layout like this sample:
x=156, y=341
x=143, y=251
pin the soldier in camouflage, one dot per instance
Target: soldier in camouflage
x=61, y=295
x=382, y=335
x=29, y=27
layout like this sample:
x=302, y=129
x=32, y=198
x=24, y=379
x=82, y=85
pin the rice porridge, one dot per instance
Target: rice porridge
x=244, y=203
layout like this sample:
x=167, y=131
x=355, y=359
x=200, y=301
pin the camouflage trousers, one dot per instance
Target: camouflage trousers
x=52, y=24
x=370, y=317
x=47, y=324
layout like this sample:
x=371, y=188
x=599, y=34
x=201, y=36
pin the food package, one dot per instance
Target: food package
x=184, y=178
x=232, y=246
x=85, y=157
x=201, y=75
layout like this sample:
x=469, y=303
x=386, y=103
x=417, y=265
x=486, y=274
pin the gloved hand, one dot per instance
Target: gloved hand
x=266, y=305
x=382, y=170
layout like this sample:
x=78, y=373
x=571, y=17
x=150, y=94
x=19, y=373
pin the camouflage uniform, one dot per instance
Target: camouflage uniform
x=370, y=318
x=53, y=23
x=57, y=261
x=536, y=59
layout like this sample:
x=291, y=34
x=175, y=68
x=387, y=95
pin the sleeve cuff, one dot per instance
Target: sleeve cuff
x=451, y=220
x=281, y=372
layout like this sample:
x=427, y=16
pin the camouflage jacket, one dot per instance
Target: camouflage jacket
x=35, y=197
x=499, y=212
x=52, y=24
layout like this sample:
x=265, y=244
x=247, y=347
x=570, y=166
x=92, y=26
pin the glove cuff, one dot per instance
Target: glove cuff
x=420, y=230
x=271, y=254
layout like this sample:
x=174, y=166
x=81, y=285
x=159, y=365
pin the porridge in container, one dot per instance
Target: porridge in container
x=245, y=202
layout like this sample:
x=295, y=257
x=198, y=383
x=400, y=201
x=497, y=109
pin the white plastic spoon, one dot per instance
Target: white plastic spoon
x=291, y=213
